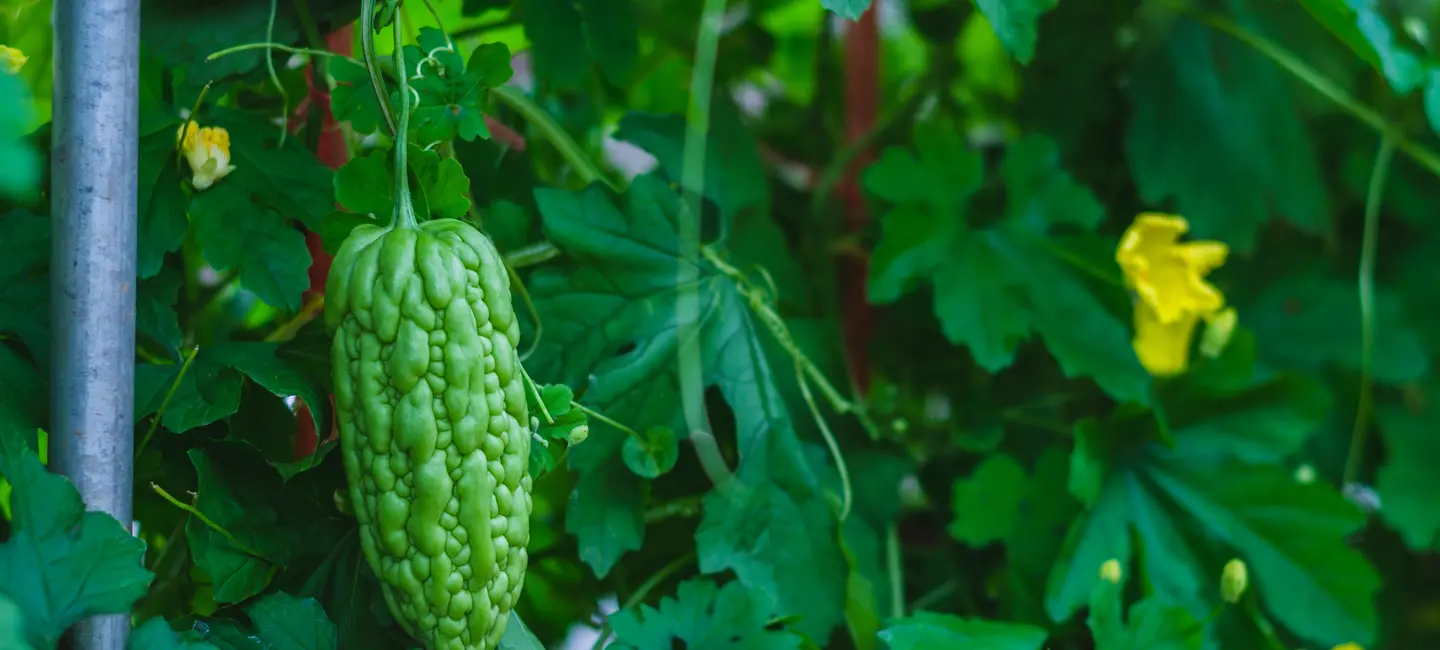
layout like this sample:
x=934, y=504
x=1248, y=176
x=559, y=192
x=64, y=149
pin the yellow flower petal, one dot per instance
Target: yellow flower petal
x=11, y=59
x=1171, y=292
x=1163, y=348
x=208, y=152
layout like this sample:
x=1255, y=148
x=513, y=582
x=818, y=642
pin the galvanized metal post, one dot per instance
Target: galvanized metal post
x=94, y=171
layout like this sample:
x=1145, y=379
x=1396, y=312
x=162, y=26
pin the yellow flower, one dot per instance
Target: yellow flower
x=1110, y=571
x=11, y=59
x=1348, y=646
x=1233, y=580
x=208, y=151
x=1168, y=279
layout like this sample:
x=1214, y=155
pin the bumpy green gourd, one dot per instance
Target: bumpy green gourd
x=432, y=416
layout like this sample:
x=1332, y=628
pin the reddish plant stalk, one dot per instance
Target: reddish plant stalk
x=333, y=152
x=862, y=66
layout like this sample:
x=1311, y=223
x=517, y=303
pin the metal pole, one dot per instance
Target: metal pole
x=94, y=171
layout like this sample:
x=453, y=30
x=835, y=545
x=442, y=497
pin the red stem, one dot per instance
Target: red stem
x=862, y=64
x=333, y=152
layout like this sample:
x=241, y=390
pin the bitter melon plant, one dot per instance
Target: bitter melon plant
x=432, y=416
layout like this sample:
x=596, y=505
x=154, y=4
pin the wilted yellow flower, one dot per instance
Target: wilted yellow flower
x=1168, y=279
x=1233, y=581
x=1110, y=571
x=208, y=151
x=11, y=59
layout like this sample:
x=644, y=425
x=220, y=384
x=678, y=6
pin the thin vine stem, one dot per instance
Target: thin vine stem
x=272, y=46
x=1374, y=197
x=404, y=208
x=553, y=133
x=367, y=49
x=1316, y=81
x=606, y=419
x=275, y=78
x=165, y=404
x=692, y=179
x=846, y=490
x=241, y=546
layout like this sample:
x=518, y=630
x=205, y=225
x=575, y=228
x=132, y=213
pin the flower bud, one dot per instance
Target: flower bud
x=11, y=60
x=1218, y=330
x=1110, y=571
x=579, y=434
x=208, y=152
x=1233, y=581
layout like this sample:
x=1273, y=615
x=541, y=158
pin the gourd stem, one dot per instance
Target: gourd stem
x=404, y=209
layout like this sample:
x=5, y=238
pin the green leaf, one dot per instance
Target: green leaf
x=344, y=583
x=353, y=98
x=25, y=282
x=155, y=315
x=704, y=616
x=162, y=200
x=184, y=33
x=1362, y=27
x=924, y=630
x=61, y=563
x=12, y=626
x=611, y=30
x=734, y=174
x=289, y=179
x=777, y=544
x=994, y=285
x=612, y=324
x=556, y=29
x=847, y=9
x=20, y=164
x=1017, y=23
x=1293, y=536
x=606, y=511
x=656, y=456
x=1222, y=145
x=1408, y=477
x=1339, y=17
x=290, y=623
x=1307, y=322
x=366, y=185
x=268, y=252
x=262, y=525
x=988, y=503
x=558, y=400
x=519, y=637
x=452, y=91
x=1151, y=624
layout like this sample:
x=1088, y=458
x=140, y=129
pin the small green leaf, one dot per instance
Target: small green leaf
x=606, y=513
x=364, y=185
x=519, y=637
x=290, y=623
x=61, y=563
x=987, y=504
x=656, y=456
x=353, y=99
x=703, y=616
x=924, y=630
x=452, y=91
x=797, y=558
x=268, y=252
x=162, y=200
x=847, y=9
x=1016, y=23
x=20, y=164
x=155, y=315
x=1408, y=478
